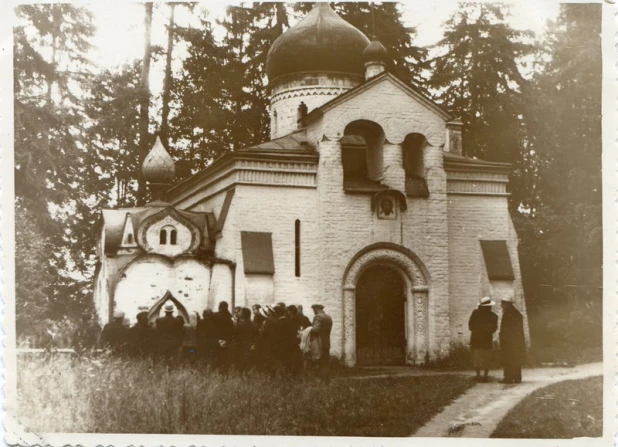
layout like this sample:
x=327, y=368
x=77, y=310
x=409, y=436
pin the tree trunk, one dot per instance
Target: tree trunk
x=144, y=100
x=167, y=84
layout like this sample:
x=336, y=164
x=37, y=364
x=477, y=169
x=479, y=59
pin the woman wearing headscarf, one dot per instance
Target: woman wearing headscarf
x=482, y=324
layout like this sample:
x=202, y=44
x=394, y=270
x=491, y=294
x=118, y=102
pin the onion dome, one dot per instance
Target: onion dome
x=321, y=42
x=374, y=52
x=158, y=166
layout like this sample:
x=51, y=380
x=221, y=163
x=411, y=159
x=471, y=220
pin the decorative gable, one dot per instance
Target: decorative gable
x=168, y=233
x=128, y=234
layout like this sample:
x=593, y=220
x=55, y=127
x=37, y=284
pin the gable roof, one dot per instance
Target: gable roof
x=114, y=221
x=405, y=87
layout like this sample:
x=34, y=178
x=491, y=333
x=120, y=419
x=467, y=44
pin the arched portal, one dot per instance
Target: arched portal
x=380, y=317
x=381, y=271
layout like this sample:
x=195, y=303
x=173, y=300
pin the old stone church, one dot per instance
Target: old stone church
x=361, y=201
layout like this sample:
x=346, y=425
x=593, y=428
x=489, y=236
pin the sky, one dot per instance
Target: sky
x=119, y=37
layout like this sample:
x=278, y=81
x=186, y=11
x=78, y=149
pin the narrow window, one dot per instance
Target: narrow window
x=173, y=237
x=163, y=237
x=129, y=238
x=297, y=248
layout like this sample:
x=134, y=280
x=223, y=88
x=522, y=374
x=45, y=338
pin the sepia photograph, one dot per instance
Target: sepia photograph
x=322, y=221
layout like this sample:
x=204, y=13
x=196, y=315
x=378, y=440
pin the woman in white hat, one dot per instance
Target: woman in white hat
x=483, y=323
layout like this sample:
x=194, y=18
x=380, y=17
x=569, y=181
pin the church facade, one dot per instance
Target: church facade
x=362, y=201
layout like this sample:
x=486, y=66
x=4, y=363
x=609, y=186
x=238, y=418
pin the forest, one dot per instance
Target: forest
x=81, y=131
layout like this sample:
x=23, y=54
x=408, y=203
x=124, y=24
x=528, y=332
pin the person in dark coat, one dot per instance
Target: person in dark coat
x=141, y=337
x=482, y=324
x=258, y=318
x=206, y=337
x=169, y=334
x=246, y=337
x=225, y=335
x=321, y=327
x=115, y=334
x=305, y=322
x=86, y=335
x=264, y=347
x=512, y=342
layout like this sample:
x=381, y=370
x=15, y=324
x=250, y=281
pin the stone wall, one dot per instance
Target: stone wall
x=473, y=218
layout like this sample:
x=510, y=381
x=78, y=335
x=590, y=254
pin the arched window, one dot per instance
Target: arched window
x=173, y=237
x=362, y=156
x=163, y=237
x=414, y=166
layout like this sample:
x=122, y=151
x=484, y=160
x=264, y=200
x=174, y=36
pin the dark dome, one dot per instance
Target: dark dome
x=375, y=51
x=321, y=42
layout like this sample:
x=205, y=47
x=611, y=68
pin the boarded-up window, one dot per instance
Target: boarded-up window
x=497, y=260
x=257, y=253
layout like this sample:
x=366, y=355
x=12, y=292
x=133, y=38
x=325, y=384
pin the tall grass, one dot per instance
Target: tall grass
x=113, y=396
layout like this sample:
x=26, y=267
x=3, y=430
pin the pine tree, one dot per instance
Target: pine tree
x=199, y=129
x=53, y=169
x=145, y=96
x=477, y=78
x=561, y=232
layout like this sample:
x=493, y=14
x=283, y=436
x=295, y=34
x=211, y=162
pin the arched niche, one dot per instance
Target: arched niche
x=145, y=280
x=362, y=151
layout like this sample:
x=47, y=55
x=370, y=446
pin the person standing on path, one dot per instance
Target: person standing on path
x=321, y=327
x=482, y=324
x=512, y=342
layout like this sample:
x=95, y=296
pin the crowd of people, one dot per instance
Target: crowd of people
x=270, y=338
x=482, y=324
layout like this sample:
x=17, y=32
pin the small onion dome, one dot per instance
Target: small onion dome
x=158, y=166
x=374, y=52
x=321, y=42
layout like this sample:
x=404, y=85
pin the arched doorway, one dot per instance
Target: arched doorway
x=414, y=307
x=380, y=317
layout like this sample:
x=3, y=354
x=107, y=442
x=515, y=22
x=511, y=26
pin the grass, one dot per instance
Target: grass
x=110, y=396
x=562, y=411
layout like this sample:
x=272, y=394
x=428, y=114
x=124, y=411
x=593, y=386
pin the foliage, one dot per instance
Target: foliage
x=53, y=166
x=112, y=396
x=565, y=410
x=478, y=79
x=113, y=108
x=561, y=226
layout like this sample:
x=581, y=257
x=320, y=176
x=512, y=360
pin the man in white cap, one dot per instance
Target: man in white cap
x=482, y=324
x=169, y=333
x=512, y=341
x=115, y=334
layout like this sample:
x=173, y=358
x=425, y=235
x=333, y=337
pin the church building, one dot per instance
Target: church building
x=362, y=201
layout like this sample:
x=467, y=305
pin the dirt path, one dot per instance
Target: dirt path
x=477, y=412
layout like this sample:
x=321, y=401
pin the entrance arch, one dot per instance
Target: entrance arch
x=412, y=277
